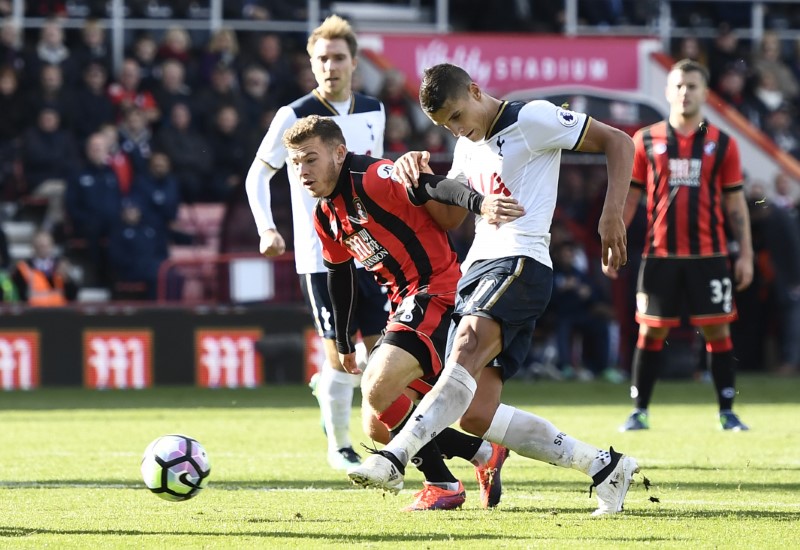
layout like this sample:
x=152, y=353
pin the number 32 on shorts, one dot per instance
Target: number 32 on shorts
x=722, y=293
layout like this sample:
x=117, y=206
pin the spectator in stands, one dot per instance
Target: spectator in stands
x=157, y=192
x=51, y=50
x=776, y=232
x=48, y=155
x=13, y=108
x=768, y=96
x=93, y=203
x=52, y=93
x=189, y=152
x=578, y=309
x=231, y=154
x=689, y=47
x=92, y=47
x=176, y=44
x=136, y=250
x=172, y=88
x=127, y=93
x=144, y=52
x=134, y=140
x=397, y=137
x=255, y=97
x=223, y=91
x=725, y=52
x=396, y=100
x=44, y=280
x=770, y=60
x=11, y=53
x=272, y=10
x=268, y=54
x=91, y=106
x=731, y=86
x=785, y=194
x=779, y=125
x=222, y=49
x=117, y=159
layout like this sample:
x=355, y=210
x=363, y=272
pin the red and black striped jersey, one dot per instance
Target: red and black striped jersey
x=684, y=178
x=370, y=217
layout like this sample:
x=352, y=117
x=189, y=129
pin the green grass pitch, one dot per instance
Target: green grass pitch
x=69, y=474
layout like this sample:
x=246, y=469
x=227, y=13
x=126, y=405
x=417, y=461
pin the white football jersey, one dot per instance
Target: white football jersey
x=362, y=125
x=522, y=156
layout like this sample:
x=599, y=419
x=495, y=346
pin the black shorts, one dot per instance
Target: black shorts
x=514, y=292
x=420, y=326
x=371, y=312
x=669, y=287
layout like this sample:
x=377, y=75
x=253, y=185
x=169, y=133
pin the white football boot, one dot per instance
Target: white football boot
x=612, y=483
x=378, y=471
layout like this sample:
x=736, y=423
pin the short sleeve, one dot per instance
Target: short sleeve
x=639, y=173
x=731, y=169
x=546, y=126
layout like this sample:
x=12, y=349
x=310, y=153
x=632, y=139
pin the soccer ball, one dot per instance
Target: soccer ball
x=175, y=467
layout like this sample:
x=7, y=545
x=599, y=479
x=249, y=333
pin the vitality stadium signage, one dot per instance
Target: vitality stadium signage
x=502, y=64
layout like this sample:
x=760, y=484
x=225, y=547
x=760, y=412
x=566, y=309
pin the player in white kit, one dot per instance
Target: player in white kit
x=514, y=148
x=332, y=47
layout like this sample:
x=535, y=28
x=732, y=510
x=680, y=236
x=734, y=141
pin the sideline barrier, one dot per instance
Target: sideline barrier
x=128, y=346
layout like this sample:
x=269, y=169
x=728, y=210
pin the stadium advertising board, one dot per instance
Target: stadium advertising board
x=227, y=357
x=502, y=64
x=19, y=360
x=117, y=359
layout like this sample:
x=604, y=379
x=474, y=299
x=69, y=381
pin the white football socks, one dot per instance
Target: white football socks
x=440, y=408
x=534, y=437
x=335, y=395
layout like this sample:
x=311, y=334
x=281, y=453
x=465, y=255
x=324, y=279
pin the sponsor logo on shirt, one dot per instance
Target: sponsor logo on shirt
x=365, y=248
x=685, y=172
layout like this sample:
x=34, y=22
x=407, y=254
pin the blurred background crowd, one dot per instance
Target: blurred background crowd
x=106, y=172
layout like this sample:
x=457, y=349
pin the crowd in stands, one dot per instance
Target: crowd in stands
x=108, y=156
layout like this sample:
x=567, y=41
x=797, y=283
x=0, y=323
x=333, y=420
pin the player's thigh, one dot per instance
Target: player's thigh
x=660, y=292
x=710, y=291
x=513, y=292
x=372, y=309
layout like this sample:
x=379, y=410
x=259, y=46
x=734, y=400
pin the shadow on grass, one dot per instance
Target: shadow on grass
x=405, y=537
x=377, y=537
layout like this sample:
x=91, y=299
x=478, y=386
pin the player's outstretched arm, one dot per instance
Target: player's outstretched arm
x=495, y=208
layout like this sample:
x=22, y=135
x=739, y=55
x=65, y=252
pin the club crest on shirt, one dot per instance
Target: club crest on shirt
x=566, y=118
x=660, y=148
x=710, y=147
x=361, y=216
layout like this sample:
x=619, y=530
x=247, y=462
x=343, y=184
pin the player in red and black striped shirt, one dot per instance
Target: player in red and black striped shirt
x=397, y=234
x=691, y=175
